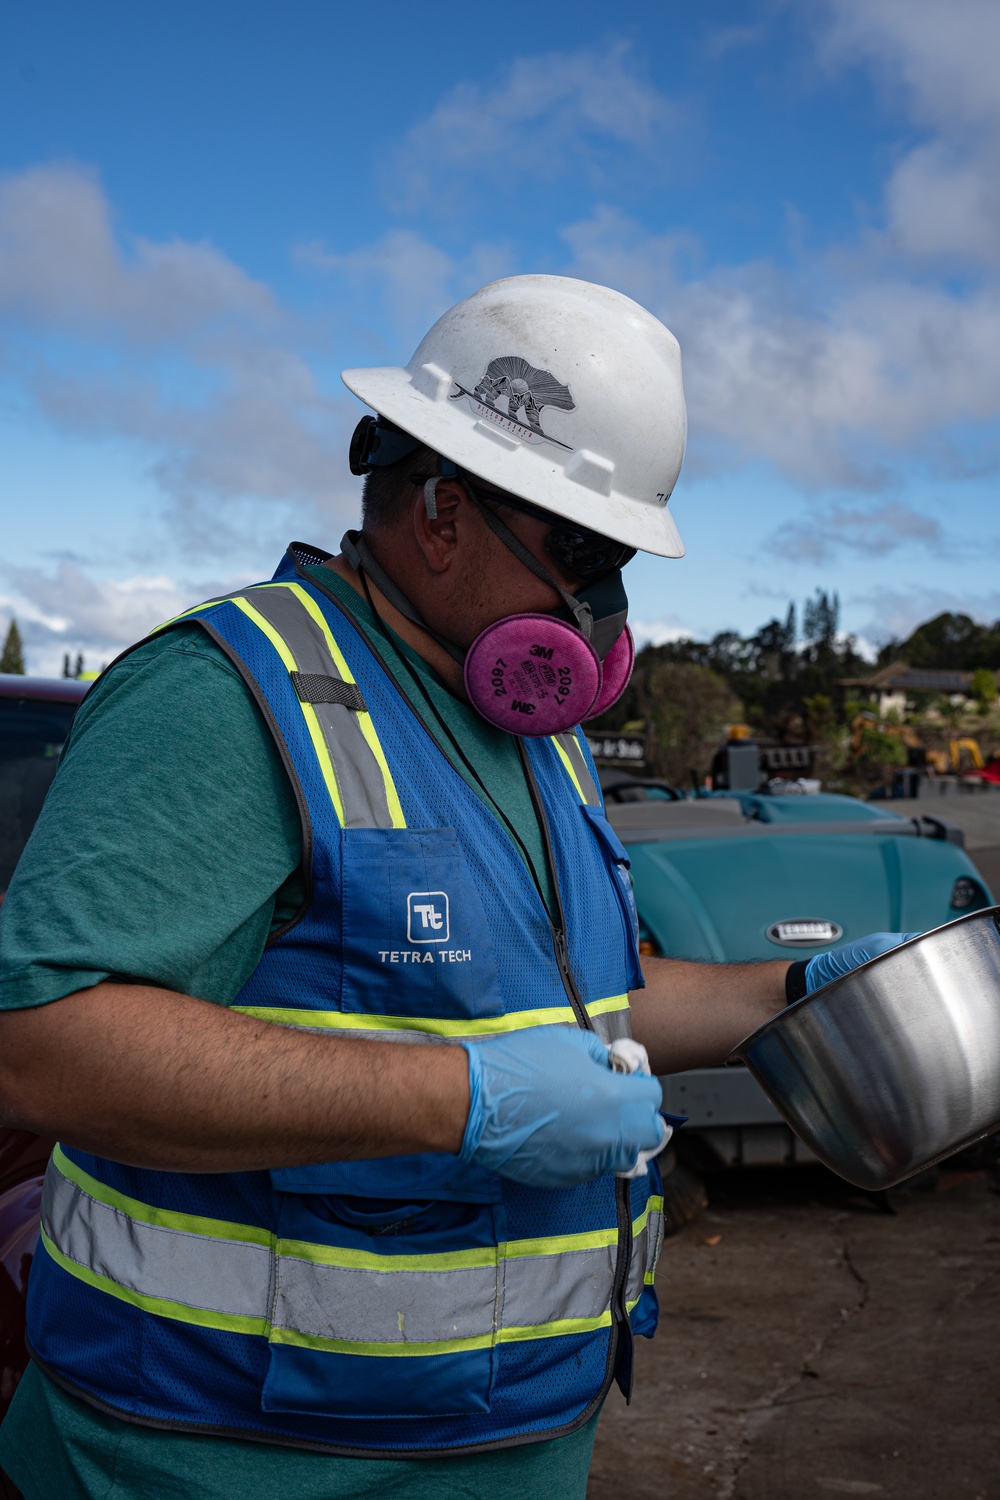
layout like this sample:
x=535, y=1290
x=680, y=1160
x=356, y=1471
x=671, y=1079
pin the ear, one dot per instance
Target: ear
x=438, y=538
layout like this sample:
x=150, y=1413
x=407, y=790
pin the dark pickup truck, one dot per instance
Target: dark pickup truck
x=35, y=716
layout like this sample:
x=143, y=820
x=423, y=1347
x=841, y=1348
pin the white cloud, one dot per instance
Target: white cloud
x=870, y=530
x=943, y=57
x=942, y=198
x=896, y=612
x=943, y=206
x=833, y=368
x=548, y=115
x=61, y=266
x=659, y=632
x=415, y=280
x=171, y=346
x=732, y=38
x=823, y=372
x=69, y=610
x=863, y=647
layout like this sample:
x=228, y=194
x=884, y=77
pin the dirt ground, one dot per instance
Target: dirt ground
x=814, y=1344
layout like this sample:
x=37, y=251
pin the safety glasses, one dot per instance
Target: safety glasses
x=586, y=554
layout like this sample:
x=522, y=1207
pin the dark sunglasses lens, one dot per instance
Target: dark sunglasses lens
x=586, y=553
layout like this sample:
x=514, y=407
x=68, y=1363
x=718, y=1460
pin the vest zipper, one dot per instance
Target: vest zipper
x=620, y=1344
x=620, y=1351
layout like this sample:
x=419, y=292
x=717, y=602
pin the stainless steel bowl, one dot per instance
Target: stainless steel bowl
x=896, y=1065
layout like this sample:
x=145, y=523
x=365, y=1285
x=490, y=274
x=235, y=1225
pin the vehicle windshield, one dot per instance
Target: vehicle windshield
x=32, y=734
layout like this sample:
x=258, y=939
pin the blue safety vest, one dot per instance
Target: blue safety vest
x=412, y=1304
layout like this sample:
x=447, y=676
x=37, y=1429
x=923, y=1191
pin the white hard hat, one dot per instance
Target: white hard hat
x=563, y=393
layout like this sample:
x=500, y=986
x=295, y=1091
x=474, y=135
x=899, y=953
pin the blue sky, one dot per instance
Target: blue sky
x=207, y=210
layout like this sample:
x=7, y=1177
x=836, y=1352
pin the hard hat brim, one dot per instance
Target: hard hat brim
x=530, y=473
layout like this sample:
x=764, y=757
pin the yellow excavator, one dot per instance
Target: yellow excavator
x=963, y=754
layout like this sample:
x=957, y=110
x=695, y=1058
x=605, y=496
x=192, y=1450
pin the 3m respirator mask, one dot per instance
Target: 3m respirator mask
x=529, y=674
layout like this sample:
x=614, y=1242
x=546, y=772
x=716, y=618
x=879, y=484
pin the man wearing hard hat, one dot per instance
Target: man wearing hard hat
x=377, y=1219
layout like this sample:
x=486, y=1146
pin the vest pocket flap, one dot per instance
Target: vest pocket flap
x=430, y=1175
x=616, y=861
x=612, y=844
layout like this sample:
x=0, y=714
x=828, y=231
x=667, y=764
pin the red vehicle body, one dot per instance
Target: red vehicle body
x=35, y=715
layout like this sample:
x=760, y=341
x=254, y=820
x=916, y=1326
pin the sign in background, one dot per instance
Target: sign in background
x=618, y=749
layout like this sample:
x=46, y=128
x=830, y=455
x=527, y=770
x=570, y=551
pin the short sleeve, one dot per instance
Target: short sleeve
x=167, y=842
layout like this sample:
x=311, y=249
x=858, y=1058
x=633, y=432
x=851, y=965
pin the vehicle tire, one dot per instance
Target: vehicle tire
x=684, y=1195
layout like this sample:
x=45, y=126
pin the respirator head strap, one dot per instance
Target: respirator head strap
x=358, y=554
x=578, y=608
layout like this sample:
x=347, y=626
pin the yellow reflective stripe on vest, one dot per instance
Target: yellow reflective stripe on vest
x=364, y=719
x=610, y=1017
x=239, y=1278
x=349, y=753
x=196, y=609
x=308, y=712
x=569, y=752
x=160, y=1218
x=180, y=1312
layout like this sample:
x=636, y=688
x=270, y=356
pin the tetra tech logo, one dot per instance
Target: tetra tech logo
x=427, y=917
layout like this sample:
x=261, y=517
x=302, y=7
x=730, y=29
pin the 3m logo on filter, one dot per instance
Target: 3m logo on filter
x=427, y=919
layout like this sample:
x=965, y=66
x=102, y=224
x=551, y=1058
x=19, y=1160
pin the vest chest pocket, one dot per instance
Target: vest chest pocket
x=616, y=860
x=415, y=939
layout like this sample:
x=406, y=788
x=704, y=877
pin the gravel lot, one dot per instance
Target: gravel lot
x=813, y=1343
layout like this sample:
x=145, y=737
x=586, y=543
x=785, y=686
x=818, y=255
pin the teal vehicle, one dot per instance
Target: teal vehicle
x=746, y=876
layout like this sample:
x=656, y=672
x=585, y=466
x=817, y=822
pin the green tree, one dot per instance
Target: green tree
x=12, y=656
x=688, y=707
x=875, y=753
x=821, y=721
x=983, y=689
x=949, y=642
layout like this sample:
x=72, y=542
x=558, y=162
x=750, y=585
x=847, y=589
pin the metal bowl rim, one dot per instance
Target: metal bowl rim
x=737, y=1053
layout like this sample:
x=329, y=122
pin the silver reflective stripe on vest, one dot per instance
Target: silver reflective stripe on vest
x=240, y=1278
x=350, y=1305
x=577, y=1285
x=162, y=1264
x=380, y=1310
x=360, y=776
x=647, y=1243
x=613, y=1025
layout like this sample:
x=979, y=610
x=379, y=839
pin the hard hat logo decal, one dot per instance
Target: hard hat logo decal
x=512, y=382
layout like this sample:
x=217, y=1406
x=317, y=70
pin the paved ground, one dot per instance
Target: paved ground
x=813, y=1344
x=977, y=812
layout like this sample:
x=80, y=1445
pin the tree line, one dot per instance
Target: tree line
x=785, y=680
x=12, y=656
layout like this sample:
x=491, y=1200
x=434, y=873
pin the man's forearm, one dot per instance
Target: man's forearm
x=691, y=1015
x=160, y=1080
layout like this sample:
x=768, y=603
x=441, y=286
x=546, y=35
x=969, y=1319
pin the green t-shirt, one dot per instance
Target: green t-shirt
x=167, y=850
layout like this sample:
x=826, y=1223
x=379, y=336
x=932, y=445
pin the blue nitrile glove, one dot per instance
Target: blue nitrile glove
x=839, y=961
x=546, y=1109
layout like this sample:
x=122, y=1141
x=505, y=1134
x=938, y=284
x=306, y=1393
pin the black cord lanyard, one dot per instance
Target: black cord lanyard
x=446, y=727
